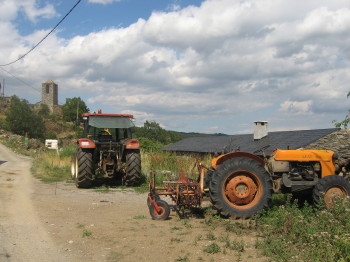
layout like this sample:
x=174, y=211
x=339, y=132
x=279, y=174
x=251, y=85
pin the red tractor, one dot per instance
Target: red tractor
x=106, y=148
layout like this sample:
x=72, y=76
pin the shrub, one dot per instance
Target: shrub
x=306, y=234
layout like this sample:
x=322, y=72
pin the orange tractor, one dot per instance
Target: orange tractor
x=241, y=184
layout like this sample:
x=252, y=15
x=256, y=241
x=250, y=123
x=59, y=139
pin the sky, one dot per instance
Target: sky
x=212, y=66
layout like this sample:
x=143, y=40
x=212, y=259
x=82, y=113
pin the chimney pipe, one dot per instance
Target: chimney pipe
x=260, y=129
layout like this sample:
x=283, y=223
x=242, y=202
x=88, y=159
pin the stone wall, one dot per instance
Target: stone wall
x=337, y=141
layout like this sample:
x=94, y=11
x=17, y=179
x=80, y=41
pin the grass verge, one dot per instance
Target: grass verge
x=52, y=166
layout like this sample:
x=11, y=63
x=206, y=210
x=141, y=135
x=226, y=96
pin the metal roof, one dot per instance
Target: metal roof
x=102, y=114
x=282, y=140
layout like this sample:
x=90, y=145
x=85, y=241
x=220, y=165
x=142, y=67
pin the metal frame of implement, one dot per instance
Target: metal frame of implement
x=184, y=192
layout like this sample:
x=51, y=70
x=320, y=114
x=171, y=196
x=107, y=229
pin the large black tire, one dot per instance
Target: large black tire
x=240, y=188
x=329, y=188
x=132, y=175
x=207, y=179
x=85, y=169
x=163, y=213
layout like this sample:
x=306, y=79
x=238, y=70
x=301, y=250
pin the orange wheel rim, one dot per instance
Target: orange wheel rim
x=333, y=193
x=160, y=211
x=242, y=189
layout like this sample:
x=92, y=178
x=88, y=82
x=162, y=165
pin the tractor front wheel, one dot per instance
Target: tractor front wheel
x=84, y=170
x=329, y=189
x=132, y=175
x=163, y=211
x=240, y=188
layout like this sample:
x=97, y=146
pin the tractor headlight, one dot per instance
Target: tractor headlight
x=85, y=143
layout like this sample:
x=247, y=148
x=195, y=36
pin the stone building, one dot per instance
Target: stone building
x=49, y=97
x=338, y=141
x=49, y=94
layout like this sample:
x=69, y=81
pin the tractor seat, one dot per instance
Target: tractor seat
x=105, y=138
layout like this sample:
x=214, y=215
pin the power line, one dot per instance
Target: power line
x=21, y=57
x=20, y=80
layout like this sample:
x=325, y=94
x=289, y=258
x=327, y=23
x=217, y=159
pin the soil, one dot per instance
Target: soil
x=59, y=222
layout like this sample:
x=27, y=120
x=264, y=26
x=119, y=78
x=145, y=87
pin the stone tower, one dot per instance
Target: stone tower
x=49, y=94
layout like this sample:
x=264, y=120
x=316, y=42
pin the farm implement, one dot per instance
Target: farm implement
x=184, y=192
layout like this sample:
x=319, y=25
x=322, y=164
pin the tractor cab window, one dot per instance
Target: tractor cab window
x=108, y=134
x=124, y=133
x=109, y=128
x=101, y=134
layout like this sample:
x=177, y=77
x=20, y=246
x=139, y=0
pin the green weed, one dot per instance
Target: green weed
x=175, y=240
x=306, y=234
x=212, y=248
x=211, y=236
x=197, y=238
x=238, y=246
x=140, y=217
x=183, y=259
x=86, y=233
x=175, y=228
x=186, y=223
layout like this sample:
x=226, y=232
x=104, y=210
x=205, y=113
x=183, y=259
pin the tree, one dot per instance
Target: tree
x=73, y=109
x=152, y=132
x=22, y=120
x=44, y=110
x=345, y=122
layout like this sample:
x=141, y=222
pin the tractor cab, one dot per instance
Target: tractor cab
x=102, y=128
x=107, y=148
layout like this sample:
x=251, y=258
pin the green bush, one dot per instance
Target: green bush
x=291, y=233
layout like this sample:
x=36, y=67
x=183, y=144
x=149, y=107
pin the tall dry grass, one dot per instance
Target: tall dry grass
x=52, y=165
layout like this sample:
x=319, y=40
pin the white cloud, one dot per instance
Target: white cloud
x=11, y=8
x=104, y=2
x=221, y=64
x=297, y=108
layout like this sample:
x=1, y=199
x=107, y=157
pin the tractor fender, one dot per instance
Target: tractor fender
x=216, y=162
x=86, y=143
x=132, y=144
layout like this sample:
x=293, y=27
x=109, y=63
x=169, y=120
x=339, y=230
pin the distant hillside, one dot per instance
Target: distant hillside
x=195, y=134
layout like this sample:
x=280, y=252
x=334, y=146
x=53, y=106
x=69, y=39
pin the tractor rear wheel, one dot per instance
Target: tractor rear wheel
x=85, y=170
x=329, y=189
x=163, y=210
x=240, y=188
x=132, y=175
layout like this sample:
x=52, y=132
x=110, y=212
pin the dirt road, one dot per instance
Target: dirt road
x=22, y=236
x=58, y=222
